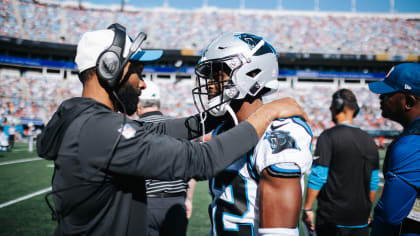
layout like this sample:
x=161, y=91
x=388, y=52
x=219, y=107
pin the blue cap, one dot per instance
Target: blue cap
x=403, y=78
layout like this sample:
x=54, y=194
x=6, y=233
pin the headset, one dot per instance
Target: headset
x=110, y=64
x=338, y=103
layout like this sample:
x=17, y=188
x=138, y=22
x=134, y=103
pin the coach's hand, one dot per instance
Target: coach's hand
x=281, y=108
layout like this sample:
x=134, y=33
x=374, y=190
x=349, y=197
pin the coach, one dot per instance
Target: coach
x=344, y=174
x=101, y=158
x=398, y=209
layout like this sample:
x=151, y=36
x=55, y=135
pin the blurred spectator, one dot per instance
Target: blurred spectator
x=30, y=136
x=11, y=131
x=189, y=29
x=4, y=142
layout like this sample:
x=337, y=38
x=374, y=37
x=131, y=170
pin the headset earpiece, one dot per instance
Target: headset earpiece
x=108, y=65
x=357, y=110
x=337, y=102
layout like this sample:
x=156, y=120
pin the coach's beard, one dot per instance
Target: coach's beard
x=129, y=96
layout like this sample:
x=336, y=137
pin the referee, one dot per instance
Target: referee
x=169, y=203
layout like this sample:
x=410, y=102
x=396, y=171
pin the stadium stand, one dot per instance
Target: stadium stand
x=37, y=95
x=321, y=32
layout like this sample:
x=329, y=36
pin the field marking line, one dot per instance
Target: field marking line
x=25, y=197
x=20, y=161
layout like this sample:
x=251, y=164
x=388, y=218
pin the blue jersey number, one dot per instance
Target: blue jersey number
x=237, y=208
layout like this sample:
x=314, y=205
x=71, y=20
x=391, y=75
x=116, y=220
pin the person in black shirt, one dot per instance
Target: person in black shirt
x=101, y=158
x=344, y=174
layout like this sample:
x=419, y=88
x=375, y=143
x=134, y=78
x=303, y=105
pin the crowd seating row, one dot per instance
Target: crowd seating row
x=37, y=96
x=193, y=29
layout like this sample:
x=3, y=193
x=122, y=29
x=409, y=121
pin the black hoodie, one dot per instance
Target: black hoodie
x=100, y=168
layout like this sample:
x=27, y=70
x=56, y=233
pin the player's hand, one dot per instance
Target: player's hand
x=308, y=219
x=188, y=207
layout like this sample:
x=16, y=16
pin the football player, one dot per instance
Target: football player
x=261, y=193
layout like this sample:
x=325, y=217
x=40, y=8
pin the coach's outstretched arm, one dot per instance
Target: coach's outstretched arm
x=181, y=159
x=190, y=127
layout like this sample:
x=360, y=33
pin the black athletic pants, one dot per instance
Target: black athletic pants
x=332, y=230
x=166, y=216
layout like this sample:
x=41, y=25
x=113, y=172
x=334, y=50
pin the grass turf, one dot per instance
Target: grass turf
x=32, y=216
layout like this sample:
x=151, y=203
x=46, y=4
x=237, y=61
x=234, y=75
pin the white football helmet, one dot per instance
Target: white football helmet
x=232, y=66
x=150, y=96
x=151, y=92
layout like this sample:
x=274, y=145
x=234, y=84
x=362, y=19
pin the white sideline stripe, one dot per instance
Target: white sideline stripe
x=19, y=161
x=25, y=197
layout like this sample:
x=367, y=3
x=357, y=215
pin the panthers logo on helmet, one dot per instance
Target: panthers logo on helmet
x=280, y=140
x=250, y=39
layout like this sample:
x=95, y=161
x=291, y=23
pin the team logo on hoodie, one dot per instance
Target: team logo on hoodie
x=127, y=131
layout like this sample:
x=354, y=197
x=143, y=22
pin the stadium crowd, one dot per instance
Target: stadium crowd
x=36, y=96
x=182, y=29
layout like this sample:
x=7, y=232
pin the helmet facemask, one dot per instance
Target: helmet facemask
x=215, y=88
x=233, y=66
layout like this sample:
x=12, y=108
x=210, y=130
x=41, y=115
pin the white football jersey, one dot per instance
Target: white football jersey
x=285, y=148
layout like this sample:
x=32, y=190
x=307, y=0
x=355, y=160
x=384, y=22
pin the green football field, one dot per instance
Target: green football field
x=25, y=179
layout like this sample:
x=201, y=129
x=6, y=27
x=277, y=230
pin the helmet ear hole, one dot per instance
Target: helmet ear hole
x=255, y=89
x=253, y=73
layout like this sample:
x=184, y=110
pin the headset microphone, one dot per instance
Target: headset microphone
x=138, y=41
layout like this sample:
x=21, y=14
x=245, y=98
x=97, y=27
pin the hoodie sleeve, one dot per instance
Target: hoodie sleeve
x=191, y=127
x=145, y=151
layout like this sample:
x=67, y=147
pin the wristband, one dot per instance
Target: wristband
x=278, y=231
x=306, y=210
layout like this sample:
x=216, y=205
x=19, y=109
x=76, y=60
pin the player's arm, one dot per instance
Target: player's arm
x=280, y=202
x=282, y=158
